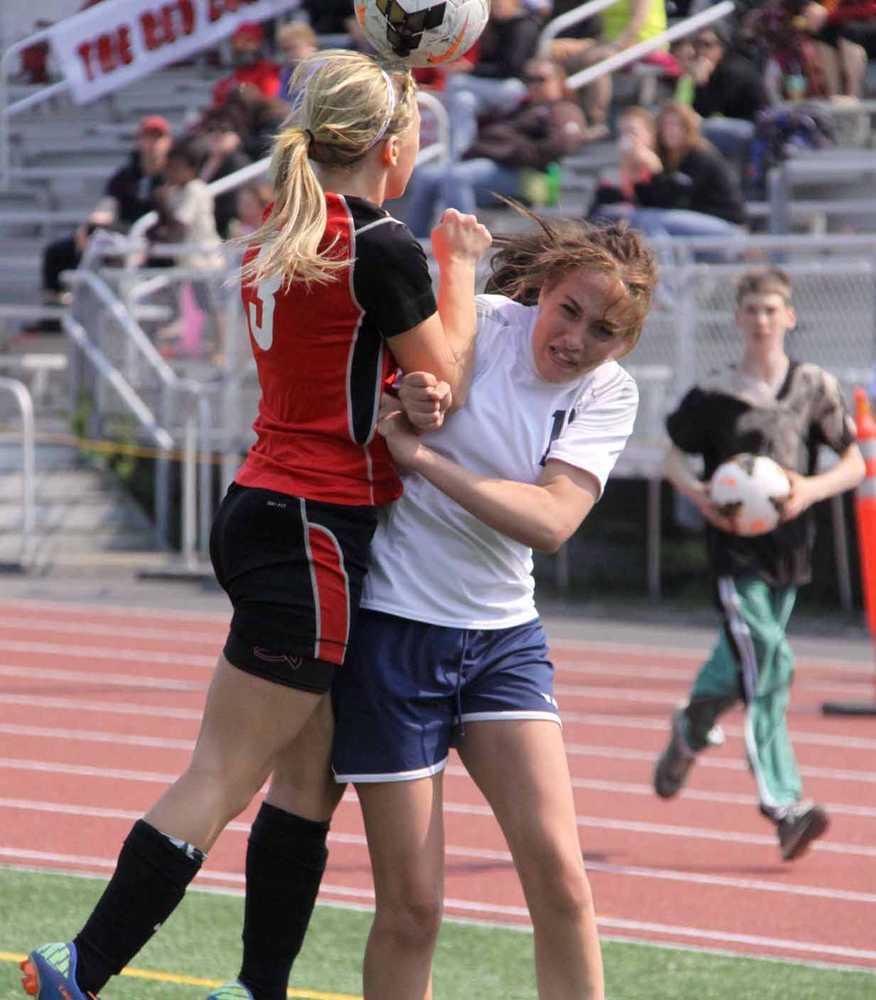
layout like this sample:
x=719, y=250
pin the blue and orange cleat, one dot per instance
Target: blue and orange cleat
x=231, y=991
x=50, y=974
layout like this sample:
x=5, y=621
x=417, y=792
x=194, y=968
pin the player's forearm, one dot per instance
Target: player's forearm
x=456, y=307
x=846, y=474
x=528, y=513
x=678, y=472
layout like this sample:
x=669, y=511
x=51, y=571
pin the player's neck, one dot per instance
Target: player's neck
x=770, y=366
x=363, y=184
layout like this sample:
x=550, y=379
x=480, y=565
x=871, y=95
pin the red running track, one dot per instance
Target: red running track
x=100, y=706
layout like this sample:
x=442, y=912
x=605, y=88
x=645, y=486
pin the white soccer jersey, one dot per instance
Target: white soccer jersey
x=433, y=561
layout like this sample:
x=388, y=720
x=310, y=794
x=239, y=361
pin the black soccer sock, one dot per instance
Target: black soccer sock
x=285, y=860
x=150, y=879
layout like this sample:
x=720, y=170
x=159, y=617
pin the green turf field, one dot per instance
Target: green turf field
x=199, y=947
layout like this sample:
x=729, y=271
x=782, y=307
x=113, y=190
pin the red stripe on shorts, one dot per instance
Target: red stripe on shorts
x=332, y=594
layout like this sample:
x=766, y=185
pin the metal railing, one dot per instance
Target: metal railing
x=572, y=17
x=196, y=506
x=620, y=59
x=22, y=397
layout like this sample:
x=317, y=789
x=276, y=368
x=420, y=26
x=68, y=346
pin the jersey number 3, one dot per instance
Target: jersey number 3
x=259, y=301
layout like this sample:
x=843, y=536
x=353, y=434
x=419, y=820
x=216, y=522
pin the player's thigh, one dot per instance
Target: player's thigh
x=522, y=770
x=302, y=782
x=405, y=829
x=247, y=721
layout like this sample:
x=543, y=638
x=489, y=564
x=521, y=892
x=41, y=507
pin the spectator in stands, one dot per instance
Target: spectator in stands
x=695, y=194
x=251, y=69
x=327, y=17
x=624, y=24
x=296, y=41
x=186, y=215
x=638, y=163
x=127, y=196
x=493, y=82
x=846, y=34
x=569, y=46
x=129, y=193
x=251, y=203
x=506, y=151
x=225, y=155
x=723, y=87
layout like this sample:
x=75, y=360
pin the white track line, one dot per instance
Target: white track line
x=589, y=718
x=561, y=646
x=75, y=610
x=625, y=871
x=116, y=632
x=98, y=865
x=467, y=809
x=662, y=725
x=64, y=651
x=719, y=763
x=173, y=658
x=91, y=679
x=611, y=787
x=105, y=707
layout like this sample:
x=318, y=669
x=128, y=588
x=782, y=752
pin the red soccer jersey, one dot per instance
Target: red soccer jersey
x=322, y=358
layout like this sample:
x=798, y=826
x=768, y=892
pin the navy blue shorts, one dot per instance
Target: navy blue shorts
x=406, y=686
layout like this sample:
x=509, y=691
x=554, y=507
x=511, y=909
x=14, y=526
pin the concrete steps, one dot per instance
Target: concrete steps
x=83, y=517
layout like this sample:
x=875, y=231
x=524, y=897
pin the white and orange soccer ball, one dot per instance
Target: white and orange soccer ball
x=751, y=490
x=422, y=32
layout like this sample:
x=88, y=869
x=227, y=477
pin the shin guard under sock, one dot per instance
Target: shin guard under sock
x=285, y=860
x=150, y=879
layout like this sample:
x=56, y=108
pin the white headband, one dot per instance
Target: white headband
x=390, y=109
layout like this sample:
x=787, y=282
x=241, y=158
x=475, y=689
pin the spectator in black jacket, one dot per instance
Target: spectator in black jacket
x=696, y=193
x=724, y=87
x=509, y=153
x=327, y=17
x=128, y=195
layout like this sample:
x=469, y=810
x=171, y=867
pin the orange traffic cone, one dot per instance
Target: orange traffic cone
x=865, y=515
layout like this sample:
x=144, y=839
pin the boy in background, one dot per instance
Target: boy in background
x=766, y=404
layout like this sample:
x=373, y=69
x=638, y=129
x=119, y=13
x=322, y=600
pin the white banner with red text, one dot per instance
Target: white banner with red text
x=115, y=42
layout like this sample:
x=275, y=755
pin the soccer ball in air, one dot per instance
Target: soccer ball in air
x=422, y=32
x=750, y=489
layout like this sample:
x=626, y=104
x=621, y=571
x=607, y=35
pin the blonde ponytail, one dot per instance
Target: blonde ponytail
x=344, y=103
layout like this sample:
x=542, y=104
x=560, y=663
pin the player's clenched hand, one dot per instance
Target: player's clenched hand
x=425, y=400
x=459, y=237
x=398, y=432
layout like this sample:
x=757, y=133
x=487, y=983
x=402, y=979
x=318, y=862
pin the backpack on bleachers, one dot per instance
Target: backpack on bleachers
x=778, y=133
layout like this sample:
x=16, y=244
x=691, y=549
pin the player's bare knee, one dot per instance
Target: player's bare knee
x=558, y=888
x=413, y=922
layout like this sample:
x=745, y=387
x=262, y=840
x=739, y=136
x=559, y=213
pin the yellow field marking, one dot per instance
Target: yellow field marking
x=181, y=980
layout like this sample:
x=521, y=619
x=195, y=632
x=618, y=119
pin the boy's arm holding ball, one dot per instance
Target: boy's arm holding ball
x=678, y=472
x=846, y=474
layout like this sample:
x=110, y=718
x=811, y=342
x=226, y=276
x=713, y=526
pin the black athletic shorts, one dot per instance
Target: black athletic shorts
x=293, y=569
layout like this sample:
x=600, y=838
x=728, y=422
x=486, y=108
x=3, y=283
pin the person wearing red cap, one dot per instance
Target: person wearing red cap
x=251, y=68
x=128, y=195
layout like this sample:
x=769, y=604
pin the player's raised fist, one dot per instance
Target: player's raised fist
x=459, y=236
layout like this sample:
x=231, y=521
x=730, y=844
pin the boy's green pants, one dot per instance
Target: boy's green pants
x=752, y=661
